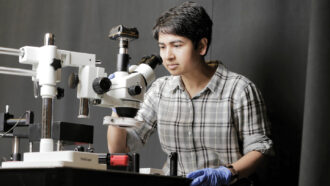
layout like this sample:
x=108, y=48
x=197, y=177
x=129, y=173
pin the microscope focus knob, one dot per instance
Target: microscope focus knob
x=134, y=90
x=101, y=85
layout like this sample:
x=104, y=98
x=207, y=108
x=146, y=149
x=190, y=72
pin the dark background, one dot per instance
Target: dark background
x=268, y=41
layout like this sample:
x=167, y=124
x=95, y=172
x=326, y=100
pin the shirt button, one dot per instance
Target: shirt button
x=189, y=133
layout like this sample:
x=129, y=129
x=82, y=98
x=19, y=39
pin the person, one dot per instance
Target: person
x=213, y=118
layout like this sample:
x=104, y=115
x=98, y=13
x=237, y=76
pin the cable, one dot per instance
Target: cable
x=12, y=128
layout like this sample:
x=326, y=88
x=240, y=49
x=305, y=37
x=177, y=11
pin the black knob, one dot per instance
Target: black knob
x=60, y=93
x=101, y=85
x=134, y=90
x=56, y=64
x=79, y=148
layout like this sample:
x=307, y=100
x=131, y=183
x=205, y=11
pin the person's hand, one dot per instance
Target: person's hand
x=210, y=177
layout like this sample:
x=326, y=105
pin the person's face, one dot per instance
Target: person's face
x=178, y=53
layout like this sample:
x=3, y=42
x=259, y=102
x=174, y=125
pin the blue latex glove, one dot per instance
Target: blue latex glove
x=111, y=76
x=210, y=177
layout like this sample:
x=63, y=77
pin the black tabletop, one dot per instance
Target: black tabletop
x=79, y=177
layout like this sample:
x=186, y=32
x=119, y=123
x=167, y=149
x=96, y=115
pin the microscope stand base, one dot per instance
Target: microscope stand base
x=56, y=159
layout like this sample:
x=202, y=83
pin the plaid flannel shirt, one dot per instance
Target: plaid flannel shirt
x=226, y=120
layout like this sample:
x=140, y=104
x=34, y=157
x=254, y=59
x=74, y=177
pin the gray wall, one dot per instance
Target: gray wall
x=265, y=40
x=315, y=151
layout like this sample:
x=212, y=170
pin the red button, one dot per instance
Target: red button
x=119, y=160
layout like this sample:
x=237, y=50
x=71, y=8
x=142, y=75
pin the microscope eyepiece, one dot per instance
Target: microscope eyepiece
x=152, y=61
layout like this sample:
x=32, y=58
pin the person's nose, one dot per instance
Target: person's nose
x=169, y=55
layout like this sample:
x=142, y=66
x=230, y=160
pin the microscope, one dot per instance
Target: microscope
x=123, y=90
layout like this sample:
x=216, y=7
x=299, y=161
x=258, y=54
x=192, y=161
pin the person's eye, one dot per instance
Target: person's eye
x=161, y=46
x=177, y=46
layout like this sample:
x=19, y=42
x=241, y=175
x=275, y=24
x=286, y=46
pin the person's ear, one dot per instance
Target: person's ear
x=202, y=47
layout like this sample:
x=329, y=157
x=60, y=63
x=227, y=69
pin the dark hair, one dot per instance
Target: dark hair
x=188, y=20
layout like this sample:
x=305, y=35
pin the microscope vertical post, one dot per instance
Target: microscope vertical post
x=47, y=81
x=15, y=148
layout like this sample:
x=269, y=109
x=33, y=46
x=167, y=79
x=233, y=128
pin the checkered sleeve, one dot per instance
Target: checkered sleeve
x=251, y=120
x=147, y=114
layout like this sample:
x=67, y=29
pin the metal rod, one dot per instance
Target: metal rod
x=46, y=120
x=16, y=71
x=16, y=155
x=30, y=146
x=59, y=145
x=11, y=51
x=49, y=39
x=15, y=147
x=83, y=108
x=35, y=89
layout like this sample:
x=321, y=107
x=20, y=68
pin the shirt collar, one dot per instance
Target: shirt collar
x=213, y=84
x=176, y=83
